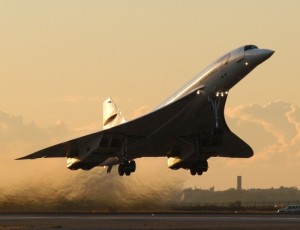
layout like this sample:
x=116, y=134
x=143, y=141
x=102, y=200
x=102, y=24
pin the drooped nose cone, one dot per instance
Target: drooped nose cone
x=264, y=54
x=258, y=56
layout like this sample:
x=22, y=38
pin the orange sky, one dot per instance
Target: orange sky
x=60, y=59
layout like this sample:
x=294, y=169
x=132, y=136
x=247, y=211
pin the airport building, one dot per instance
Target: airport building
x=254, y=196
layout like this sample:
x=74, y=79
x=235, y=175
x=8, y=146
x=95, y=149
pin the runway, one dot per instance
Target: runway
x=148, y=221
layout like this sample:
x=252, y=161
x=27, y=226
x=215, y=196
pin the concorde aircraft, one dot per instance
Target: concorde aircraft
x=188, y=128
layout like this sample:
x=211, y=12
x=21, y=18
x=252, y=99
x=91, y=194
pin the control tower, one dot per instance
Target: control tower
x=239, y=183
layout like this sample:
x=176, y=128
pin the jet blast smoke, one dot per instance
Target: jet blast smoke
x=92, y=191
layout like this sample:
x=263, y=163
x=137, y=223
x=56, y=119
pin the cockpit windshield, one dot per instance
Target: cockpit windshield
x=250, y=47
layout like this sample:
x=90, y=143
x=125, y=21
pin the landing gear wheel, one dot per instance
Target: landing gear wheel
x=127, y=171
x=121, y=169
x=205, y=166
x=132, y=165
x=127, y=168
x=193, y=171
x=199, y=172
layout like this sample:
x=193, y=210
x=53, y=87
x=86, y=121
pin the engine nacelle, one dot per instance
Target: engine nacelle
x=175, y=163
x=73, y=163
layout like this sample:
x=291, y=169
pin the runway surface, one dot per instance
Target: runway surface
x=148, y=221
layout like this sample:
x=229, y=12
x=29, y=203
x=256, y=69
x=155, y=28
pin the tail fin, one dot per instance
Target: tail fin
x=111, y=114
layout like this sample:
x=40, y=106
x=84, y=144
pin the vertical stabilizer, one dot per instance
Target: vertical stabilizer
x=111, y=114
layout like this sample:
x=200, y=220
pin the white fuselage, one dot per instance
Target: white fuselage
x=224, y=73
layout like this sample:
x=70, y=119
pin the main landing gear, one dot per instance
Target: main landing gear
x=199, y=168
x=127, y=168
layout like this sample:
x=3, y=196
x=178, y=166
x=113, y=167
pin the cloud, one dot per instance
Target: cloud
x=16, y=133
x=293, y=117
x=273, y=129
x=91, y=128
